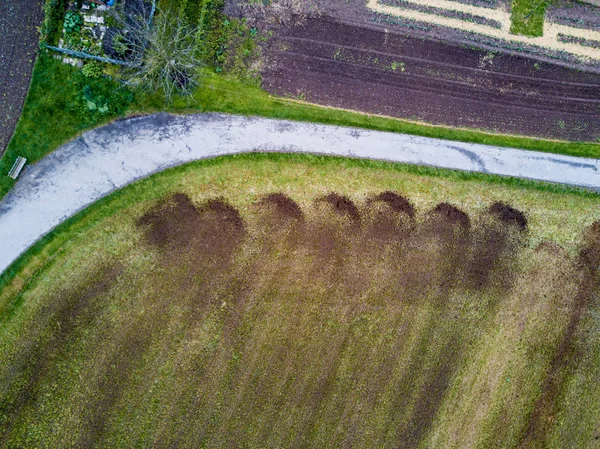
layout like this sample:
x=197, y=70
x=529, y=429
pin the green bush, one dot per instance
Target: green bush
x=92, y=69
x=100, y=98
x=73, y=22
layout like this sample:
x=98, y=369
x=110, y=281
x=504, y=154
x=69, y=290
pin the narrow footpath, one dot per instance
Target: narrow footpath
x=108, y=158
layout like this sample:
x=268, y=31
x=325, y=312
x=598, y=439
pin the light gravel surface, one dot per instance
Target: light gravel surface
x=115, y=155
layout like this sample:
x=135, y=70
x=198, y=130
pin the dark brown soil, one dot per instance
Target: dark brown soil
x=398, y=203
x=590, y=253
x=204, y=235
x=283, y=206
x=450, y=227
x=385, y=225
x=451, y=215
x=493, y=251
x=509, y=215
x=342, y=205
x=19, y=21
x=388, y=217
x=281, y=223
x=379, y=71
x=171, y=223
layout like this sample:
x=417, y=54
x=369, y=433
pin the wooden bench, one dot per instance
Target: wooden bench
x=17, y=167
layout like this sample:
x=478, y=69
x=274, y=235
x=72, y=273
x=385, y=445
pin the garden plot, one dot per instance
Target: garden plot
x=576, y=41
x=95, y=31
x=84, y=31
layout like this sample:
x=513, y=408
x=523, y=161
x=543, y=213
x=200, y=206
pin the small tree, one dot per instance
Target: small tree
x=165, y=55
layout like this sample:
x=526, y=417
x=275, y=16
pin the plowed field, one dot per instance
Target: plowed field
x=373, y=70
x=18, y=24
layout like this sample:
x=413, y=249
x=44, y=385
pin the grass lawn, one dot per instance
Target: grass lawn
x=528, y=17
x=197, y=327
x=55, y=112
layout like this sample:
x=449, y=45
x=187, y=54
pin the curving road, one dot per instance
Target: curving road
x=108, y=158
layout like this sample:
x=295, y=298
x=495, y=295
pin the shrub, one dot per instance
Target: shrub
x=98, y=101
x=73, y=22
x=99, y=98
x=119, y=45
x=166, y=56
x=92, y=69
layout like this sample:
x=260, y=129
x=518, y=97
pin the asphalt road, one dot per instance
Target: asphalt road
x=19, y=37
x=108, y=158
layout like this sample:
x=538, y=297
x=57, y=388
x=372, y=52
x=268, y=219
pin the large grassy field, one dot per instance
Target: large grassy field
x=193, y=310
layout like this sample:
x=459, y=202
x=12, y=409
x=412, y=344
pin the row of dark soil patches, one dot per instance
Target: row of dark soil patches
x=277, y=353
x=338, y=64
x=178, y=223
x=443, y=250
x=477, y=250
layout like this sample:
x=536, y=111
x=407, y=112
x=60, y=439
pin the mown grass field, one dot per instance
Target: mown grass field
x=192, y=310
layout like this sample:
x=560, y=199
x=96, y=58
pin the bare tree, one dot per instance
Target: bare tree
x=165, y=54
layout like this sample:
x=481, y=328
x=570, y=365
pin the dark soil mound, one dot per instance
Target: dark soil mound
x=342, y=205
x=388, y=219
x=508, y=215
x=497, y=244
x=172, y=222
x=283, y=206
x=589, y=255
x=397, y=202
x=209, y=233
x=452, y=215
x=225, y=213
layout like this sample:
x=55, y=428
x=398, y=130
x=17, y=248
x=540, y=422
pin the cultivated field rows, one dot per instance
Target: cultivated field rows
x=339, y=64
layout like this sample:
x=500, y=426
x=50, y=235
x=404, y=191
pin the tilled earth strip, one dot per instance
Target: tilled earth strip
x=343, y=65
x=18, y=44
